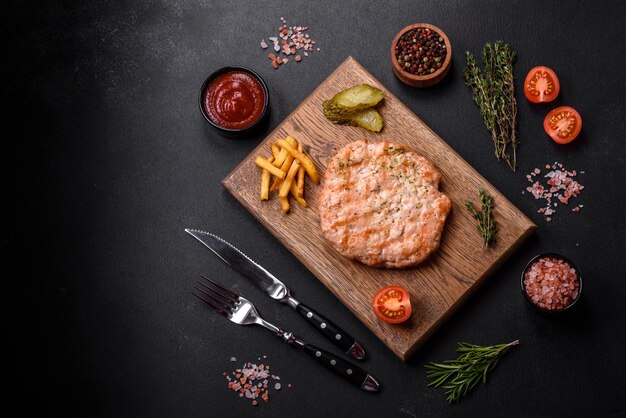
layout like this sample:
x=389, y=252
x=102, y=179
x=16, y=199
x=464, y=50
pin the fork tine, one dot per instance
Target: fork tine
x=225, y=295
x=230, y=293
x=217, y=298
x=215, y=295
x=219, y=310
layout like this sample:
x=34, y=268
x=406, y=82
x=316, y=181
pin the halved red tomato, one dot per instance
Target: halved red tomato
x=541, y=85
x=563, y=124
x=392, y=304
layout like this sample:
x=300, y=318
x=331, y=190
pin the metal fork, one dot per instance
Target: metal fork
x=240, y=311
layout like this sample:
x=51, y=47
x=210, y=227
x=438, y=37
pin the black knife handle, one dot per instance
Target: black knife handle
x=350, y=372
x=339, y=337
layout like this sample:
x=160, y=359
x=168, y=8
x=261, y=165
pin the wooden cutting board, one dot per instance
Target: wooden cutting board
x=438, y=286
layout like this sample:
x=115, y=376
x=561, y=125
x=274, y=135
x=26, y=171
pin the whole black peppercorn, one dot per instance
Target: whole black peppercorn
x=420, y=46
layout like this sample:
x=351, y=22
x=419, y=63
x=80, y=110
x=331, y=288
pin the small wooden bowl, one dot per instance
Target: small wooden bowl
x=424, y=80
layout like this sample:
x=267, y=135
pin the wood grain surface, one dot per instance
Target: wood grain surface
x=439, y=285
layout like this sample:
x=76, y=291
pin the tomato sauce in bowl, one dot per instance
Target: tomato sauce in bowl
x=234, y=99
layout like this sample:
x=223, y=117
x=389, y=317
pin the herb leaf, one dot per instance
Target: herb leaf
x=486, y=224
x=494, y=94
x=471, y=367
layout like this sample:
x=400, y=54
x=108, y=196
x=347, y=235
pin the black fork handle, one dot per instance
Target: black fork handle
x=350, y=372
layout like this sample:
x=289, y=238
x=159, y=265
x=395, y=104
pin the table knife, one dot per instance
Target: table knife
x=276, y=289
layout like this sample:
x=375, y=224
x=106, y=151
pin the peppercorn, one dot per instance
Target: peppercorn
x=420, y=51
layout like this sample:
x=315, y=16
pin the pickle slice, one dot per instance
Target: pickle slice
x=351, y=101
x=369, y=119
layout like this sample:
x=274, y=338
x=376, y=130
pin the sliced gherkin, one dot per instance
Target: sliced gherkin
x=350, y=101
x=369, y=119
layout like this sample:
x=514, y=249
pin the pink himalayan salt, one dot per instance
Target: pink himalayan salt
x=551, y=283
x=251, y=381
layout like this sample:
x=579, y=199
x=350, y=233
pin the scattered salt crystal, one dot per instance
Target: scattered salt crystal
x=290, y=39
x=251, y=381
x=277, y=386
x=560, y=185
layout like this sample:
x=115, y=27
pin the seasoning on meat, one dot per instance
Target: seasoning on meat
x=380, y=204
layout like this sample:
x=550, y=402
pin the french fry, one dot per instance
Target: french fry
x=275, y=151
x=262, y=162
x=289, y=166
x=294, y=192
x=265, y=181
x=283, y=190
x=284, y=203
x=285, y=169
x=292, y=141
x=300, y=179
x=302, y=158
x=278, y=161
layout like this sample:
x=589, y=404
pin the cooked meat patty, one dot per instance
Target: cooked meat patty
x=380, y=204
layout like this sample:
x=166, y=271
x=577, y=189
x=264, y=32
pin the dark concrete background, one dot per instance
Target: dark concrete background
x=107, y=159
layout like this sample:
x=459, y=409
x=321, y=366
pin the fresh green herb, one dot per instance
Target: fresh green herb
x=493, y=92
x=340, y=165
x=486, y=224
x=461, y=375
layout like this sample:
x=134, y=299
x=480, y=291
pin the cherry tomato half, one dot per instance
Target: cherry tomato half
x=541, y=85
x=563, y=124
x=392, y=304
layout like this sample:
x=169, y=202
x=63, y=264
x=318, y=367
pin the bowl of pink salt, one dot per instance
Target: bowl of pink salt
x=551, y=283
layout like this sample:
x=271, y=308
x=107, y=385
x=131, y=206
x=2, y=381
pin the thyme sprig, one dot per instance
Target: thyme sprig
x=460, y=376
x=486, y=224
x=494, y=93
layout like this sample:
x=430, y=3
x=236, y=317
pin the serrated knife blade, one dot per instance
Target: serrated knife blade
x=239, y=261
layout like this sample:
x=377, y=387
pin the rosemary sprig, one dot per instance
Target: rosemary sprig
x=486, y=224
x=461, y=375
x=493, y=92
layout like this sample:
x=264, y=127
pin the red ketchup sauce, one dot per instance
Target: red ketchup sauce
x=234, y=100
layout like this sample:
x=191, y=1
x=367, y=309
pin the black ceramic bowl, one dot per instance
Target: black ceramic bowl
x=235, y=133
x=578, y=275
